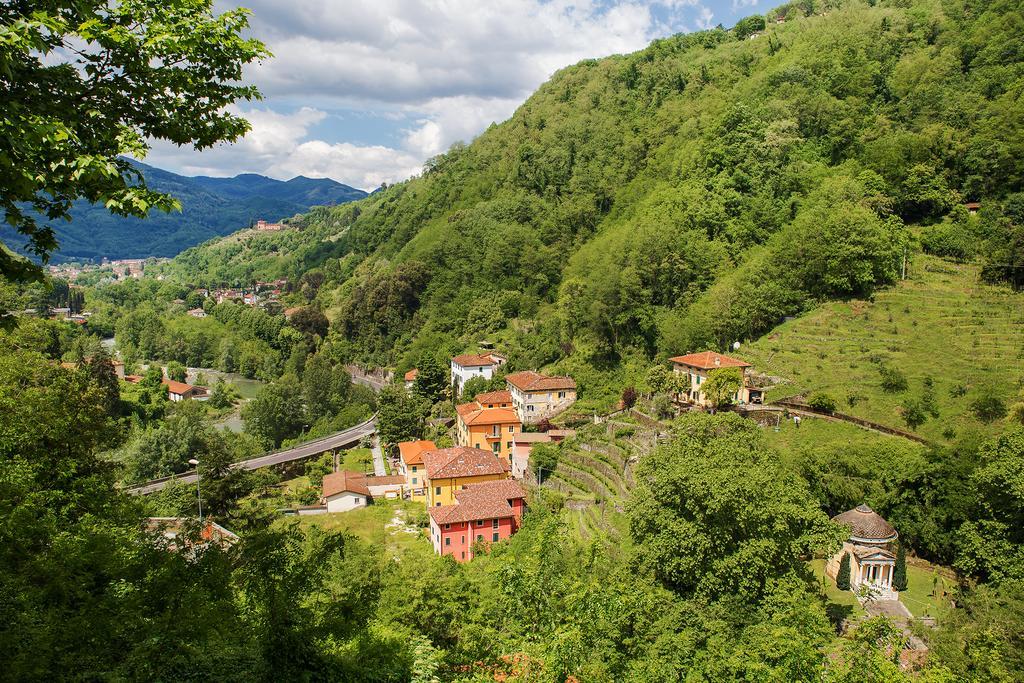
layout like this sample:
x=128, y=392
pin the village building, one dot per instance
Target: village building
x=492, y=429
x=697, y=368
x=411, y=466
x=197, y=313
x=410, y=378
x=482, y=514
x=452, y=469
x=973, y=207
x=264, y=226
x=470, y=365
x=495, y=399
x=171, y=529
x=869, y=546
x=344, y=491
x=537, y=397
x=388, y=486
x=118, y=366
x=180, y=391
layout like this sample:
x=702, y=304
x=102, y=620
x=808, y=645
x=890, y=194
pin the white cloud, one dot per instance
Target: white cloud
x=450, y=67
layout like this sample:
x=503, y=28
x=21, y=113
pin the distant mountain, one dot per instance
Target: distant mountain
x=210, y=207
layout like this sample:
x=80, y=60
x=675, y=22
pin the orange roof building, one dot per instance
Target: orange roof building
x=180, y=391
x=697, y=367
x=451, y=469
x=491, y=429
x=536, y=396
x=412, y=467
x=495, y=399
x=482, y=514
x=344, y=490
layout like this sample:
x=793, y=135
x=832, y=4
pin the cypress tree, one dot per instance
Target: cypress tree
x=899, y=574
x=843, y=577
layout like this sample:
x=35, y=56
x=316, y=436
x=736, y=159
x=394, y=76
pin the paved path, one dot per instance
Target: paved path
x=378, y=458
x=327, y=443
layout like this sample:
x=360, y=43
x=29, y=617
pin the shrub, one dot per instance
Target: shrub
x=843, y=576
x=629, y=397
x=914, y=413
x=625, y=432
x=893, y=379
x=899, y=572
x=988, y=407
x=662, y=407
x=823, y=402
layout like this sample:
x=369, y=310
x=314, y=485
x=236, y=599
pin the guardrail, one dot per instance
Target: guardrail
x=242, y=463
x=867, y=424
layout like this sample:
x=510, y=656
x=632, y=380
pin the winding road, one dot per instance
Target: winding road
x=327, y=443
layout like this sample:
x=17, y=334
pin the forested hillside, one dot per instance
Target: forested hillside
x=210, y=207
x=689, y=194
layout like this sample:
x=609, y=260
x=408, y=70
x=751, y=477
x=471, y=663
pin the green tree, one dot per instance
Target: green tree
x=658, y=379
x=721, y=385
x=988, y=406
x=823, y=402
x=326, y=387
x=899, y=573
x=544, y=458
x=147, y=71
x=276, y=413
x=714, y=513
x=432, y=378
x=914, y=413
x=474, y=386
x=843, y=575
x=176, y=371
x=401, y=416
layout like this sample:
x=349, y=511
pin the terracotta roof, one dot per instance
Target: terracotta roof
x=972, y=205
x=528, y=380
x=411, y=375
x=385, y=480
x=503, y=396
x=462, y=461
x=464, y=409
x=865, y=523
x=339, y=482
x=709, y=360
x=411, y=452
x=472, y=360
x=505, y=489
x=176, y=387
x=133, y=379
x=489, y=416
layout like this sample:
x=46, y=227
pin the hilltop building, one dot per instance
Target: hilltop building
x=264, y=226
x=470, y=365
x=698, y=366
x=410, y=378
x=180, y=391
x=452, y=469
x=482, y=514
x=490, y=428
x=869, y=546
x=536, y=397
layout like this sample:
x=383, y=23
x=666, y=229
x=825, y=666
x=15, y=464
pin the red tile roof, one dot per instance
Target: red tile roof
x=528, y=380
x=339, y=482
x=462, y=461
x=503, y=396
x=177, y=387
x=865, y=523
x=472, y=360
x=411, y=375
x=486, y=500
x=411, y=452
x=709, y=360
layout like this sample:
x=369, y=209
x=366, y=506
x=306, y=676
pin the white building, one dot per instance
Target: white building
x=470, y=365
x=343, y=491
x=536, y=396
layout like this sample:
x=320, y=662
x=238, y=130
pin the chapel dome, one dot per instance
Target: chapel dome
x=866, y=525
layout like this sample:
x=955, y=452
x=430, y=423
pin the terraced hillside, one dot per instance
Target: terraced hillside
x=942, y=323
x=595, y=472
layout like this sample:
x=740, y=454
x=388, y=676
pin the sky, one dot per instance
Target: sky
x=364, y=91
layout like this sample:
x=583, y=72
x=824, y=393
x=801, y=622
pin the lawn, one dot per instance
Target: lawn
x=357, y=460
x=941, y=323
x=923, y=596
x=817, y=432
x=373, y=525
x=841, y=604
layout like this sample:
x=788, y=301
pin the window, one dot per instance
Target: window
x=476, y=445
x=479, y=522
x=437, y=505
x=358, y=500
x=479, y=538
x=447, y=526
x=511, y=429
x=529, y=408
x=463, y=543
x=508, y=445
x=414, y=468
x=494, y=524
x=463, y=554
x=437, y=490
x=561, y=394
x=496, y=447
x=447, y=540
x=494, y=536
x=414, y=480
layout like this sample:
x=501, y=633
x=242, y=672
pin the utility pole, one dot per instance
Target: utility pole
x=199, y=494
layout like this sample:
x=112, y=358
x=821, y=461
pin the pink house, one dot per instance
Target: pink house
x=485, y=513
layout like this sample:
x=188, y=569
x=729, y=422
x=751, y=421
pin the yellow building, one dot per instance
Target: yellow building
x=412, y=467
x=492, y=429
x=453, y=469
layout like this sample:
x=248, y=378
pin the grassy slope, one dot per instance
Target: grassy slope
x=941, y=323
